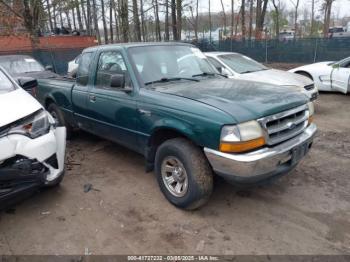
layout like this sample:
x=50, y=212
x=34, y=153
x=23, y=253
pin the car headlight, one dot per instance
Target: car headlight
x=311, y=111
x=242, y=137
x=33, y=126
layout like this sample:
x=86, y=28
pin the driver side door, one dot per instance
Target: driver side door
x=341, y=77
x=113, y=110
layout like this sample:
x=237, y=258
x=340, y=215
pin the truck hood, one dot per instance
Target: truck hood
x=277, y=77
x=243, y=100
x=16, y=105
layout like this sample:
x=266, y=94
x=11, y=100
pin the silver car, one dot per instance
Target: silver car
x=238, y=66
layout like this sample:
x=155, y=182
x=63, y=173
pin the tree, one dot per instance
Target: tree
x=276, y=16
x=261, y=6
x=243, y=19
x=232, y=17
x=296, y=6
x=251, y=7
x=124, y=14
x=136, y=19
x=29, y=12
x=173, y=19
x=224, y=14
x=166, y=22
x=179, y=18
x=327, y=7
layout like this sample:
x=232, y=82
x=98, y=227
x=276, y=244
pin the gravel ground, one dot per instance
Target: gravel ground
x=305, y=212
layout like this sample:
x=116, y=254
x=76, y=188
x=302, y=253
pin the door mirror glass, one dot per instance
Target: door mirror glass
x=225, y=72
x=27, y=83
x=336, y=66
x=118, y=81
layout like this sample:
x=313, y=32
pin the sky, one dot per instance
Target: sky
x=341, y=8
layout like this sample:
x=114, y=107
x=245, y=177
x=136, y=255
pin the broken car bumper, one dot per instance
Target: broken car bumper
x=27, y=164
x=264, y=163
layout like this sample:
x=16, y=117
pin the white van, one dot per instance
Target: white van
x=32, y=147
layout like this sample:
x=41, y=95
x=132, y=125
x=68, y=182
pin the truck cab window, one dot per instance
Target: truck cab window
x=110, y=63
x=84, y=68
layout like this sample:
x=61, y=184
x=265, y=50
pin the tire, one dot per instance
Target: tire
x=305, y=74
x=181, y=154
x=58, y=116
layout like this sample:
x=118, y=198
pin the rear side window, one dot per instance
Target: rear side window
x=5, y=83
x=84, y=68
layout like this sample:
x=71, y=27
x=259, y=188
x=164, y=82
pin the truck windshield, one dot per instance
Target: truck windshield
x=242, y=64
x=5, y=83
x=155, y=64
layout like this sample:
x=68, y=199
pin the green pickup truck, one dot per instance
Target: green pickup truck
x=166, y=102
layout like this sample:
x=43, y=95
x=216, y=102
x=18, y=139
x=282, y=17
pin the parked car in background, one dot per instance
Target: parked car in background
x=287, y=35
x=32, y=148
x=19, y=66
x=328, y=76
x=338, y=31
x=238, y=66
x=73, y=66
x=168, y=103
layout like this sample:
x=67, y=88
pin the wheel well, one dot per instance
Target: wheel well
x=48, y=101
x=305, y=74
x=159, y=137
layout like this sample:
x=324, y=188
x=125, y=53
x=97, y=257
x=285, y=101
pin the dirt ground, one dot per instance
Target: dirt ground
x=305, y=212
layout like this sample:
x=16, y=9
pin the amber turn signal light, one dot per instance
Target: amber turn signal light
x=243, y=146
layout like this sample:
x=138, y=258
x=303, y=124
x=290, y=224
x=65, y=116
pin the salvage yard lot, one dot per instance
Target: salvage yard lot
x=305, y=212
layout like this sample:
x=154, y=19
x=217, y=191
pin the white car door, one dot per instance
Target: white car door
x=341, y=76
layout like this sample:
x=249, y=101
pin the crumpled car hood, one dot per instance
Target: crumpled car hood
x=243, y=100
x=277, y=77
x=15, y=105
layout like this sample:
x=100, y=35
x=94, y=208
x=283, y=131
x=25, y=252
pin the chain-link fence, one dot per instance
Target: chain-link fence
x=306, y=50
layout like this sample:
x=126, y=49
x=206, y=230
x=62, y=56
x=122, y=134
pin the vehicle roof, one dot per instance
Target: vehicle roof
x=136, y=44
x=217, y=53
x=14, y=57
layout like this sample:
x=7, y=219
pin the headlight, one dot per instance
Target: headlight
x=311, y=112
x=242, y=137
x=32, y=126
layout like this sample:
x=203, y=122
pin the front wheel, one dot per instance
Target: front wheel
x=183, y=173
x=57, y=115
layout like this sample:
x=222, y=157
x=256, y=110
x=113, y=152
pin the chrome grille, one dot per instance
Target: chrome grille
x=285, y=125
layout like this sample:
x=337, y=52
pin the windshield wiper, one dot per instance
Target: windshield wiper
x=205, y=74
x=169, y=79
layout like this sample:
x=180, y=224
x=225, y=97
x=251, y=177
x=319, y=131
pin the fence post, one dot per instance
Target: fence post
x=266, y=50
x=315, y=53
x=231, y=44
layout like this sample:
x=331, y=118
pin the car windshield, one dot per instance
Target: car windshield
x=21, y=65
x=5, y=84
x=242, y=64
x=157, y=64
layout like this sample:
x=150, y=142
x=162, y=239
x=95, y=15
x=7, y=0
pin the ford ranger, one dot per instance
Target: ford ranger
x=168, y=103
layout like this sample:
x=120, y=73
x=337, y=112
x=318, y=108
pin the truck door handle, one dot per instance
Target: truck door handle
x=92, y=98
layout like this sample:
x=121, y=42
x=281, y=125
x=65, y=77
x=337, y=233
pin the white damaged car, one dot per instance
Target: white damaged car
x=331, y=76
x=238, y=66
x=32, y=147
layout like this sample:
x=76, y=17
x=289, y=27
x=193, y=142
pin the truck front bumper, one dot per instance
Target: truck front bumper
x=264, y=163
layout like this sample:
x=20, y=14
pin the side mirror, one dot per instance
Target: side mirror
x=225, y=72
x=27, y=83
x=335, y=66
x=118, y=81
x=49, y=68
